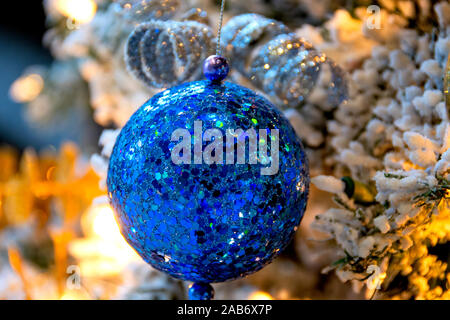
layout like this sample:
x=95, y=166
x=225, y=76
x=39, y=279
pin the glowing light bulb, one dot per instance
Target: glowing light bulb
x=82, y=11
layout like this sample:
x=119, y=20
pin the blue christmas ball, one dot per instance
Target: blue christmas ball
x=209, y=181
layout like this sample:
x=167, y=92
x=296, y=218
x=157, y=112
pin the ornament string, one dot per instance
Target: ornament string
x=219, y=32
x=216, y=67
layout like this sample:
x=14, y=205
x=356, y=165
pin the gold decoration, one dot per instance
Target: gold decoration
x=38, y=186
x=16, y=263
x=28, y=189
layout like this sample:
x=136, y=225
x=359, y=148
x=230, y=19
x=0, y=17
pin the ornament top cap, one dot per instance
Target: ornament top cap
x=216, y=68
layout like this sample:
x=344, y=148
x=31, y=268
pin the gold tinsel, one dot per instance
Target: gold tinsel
x=29, y=185
x=33, y=189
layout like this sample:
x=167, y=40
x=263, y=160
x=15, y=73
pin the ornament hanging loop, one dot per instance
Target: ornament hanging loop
x=219, y=32
x=216, y=67
x=201, y=291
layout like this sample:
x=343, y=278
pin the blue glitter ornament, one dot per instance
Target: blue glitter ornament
x=188, y=196
x=201, y=291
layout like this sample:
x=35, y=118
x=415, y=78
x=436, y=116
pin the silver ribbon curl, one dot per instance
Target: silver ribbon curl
x=278, y=62
x=144, y=10
x=243, y=33
x=168, y=53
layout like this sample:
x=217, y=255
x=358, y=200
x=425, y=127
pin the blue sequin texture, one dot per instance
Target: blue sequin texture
x=200, y=222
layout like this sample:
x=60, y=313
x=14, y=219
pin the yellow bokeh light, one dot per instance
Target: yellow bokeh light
x=103, y=252
x=82, y=11
x=104, y=224
x=260, y=295
x=26, y=88
x=75, y=295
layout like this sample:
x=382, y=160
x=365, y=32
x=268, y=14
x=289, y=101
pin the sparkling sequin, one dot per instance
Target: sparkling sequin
x=144, y=10
x=199, y=222
x=243, y=33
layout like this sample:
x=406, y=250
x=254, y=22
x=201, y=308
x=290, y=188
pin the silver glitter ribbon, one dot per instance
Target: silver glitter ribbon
x=168, y=53
x=243, y=33
x=196, y=14
x=278, y=62
x=144, y=10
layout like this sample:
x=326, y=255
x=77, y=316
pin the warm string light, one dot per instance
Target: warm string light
x=104, y=224
x=75, y=295
x=103, y=252
x=26, y=88
x=260, y=295
x=82, y=11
